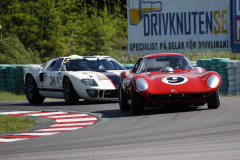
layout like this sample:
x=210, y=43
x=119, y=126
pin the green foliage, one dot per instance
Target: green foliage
x=210, y=55
x=56, y=28
x=12, y=51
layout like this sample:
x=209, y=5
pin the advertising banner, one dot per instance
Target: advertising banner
x=157, y=26
x=235, y=8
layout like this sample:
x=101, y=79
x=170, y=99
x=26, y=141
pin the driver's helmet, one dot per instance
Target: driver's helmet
x=176, y=63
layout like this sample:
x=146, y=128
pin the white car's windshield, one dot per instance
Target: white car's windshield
x=92, y=64
x=176, y=62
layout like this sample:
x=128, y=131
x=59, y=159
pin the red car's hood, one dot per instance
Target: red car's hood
x=178, y=82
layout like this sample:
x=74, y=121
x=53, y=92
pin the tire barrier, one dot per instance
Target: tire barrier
x=228, y=70
x=12, y=78
x=207, y=64
x=215, y=63
x=232, y=77
x=223, y=71
x=3, y=79
x=204, y=63
x=218, y=65
x=238, y=78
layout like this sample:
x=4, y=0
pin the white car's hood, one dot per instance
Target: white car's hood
x=100, y=77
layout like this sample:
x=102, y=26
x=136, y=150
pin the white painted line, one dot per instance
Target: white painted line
x=17, y=112
x=73, y=120
x=74, y=115
x=70, y=124
x=35, y=134
x=46, y=114
x=59, y=129
x=11, y=139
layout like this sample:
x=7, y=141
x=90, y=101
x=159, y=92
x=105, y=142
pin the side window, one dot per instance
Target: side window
x=141, y=67
x=51, y=65
x=55, y=65
x=136, y=66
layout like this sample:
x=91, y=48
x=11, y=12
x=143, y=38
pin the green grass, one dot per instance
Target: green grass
x=6, y=96
x=210, y=55
x=15, y=123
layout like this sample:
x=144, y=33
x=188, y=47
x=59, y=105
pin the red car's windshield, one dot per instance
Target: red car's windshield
x=175, y=62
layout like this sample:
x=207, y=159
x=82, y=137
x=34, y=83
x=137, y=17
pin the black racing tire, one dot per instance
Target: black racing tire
x=214, y=101
x=32, y=92
x=70, y=95
x=137, y=102
x=123, y=99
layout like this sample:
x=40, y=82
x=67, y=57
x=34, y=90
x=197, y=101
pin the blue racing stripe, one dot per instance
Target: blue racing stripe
x=113, y=77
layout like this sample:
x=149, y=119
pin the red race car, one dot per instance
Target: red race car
x=167, y=79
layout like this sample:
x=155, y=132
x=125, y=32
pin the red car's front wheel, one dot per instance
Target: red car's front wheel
x=214, y=101
x=123, y=99
x=137, y=102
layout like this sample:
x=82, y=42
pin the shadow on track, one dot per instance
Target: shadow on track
x=116, y=113
x=52, y=103
x=110, y=112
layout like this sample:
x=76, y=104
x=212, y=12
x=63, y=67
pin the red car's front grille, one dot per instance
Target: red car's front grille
x=172, y=97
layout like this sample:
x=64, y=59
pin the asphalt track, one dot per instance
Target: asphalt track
x=176, y=133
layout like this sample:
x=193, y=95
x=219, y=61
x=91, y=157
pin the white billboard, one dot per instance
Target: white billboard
x=157, y=26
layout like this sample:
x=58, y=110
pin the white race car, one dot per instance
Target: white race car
x=73, y=78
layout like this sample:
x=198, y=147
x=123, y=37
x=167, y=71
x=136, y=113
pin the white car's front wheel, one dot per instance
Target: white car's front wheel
x=31, y=91
x=70, y=95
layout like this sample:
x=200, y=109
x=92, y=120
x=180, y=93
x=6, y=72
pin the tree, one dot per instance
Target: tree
x=56, y=28
x=13, y=51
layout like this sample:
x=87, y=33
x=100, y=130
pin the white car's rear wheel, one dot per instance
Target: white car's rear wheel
x=70, y=95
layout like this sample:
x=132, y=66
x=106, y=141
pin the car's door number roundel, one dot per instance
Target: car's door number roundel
x=174, y=80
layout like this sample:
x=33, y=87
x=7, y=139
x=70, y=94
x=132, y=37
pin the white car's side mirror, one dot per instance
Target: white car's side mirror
x=63, y=67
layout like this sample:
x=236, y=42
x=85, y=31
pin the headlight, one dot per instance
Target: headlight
x=213, y=81
x=141, y=84
x=100, y=77
x=89, y=82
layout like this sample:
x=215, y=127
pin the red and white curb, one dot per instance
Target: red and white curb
x=65, y=121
